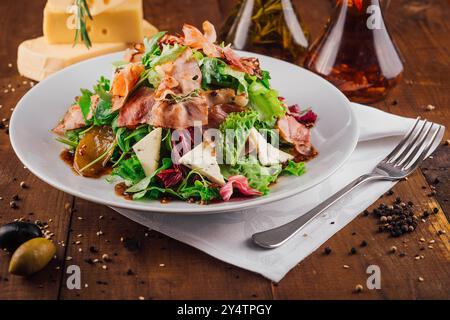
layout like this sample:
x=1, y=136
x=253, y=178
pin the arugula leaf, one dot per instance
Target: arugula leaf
x=130, y=170
x=169, y=53
x=265, y=101
x=145, y=182
x=84, y=101
x=102, y=89
x=259, y=177
x=236, y=129
x=71, y=138
x=152, y=45
x=201, y=190
x=155, y=193
x=265, y=77
x=294, y=168
x=103, y=114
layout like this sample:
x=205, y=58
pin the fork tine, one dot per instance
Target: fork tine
x=403, y=141
x=425, y=151
x=416, y=149
x=409, y=144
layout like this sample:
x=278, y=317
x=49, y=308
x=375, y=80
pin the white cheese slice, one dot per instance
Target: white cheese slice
x=267, y=154
x=203, y=159
x=148, y=151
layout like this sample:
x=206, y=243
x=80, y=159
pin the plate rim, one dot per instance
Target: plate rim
x=199, y=209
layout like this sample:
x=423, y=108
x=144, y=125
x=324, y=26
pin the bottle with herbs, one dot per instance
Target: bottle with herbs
x=271, y=27
x=356, y=52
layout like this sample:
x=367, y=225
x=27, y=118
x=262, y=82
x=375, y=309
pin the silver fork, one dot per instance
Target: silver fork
x=401, y=162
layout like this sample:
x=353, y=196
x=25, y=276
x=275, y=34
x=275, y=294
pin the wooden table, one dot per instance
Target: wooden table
x=162, y=268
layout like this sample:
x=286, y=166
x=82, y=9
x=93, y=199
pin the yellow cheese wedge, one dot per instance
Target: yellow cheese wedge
x=95, y=6
x=36, y=59
x=122, y=23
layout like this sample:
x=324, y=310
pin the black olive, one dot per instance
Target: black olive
x=12, y=235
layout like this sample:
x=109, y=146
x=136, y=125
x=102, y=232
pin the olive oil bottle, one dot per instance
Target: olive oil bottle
x=356, y=52
x=270, y=27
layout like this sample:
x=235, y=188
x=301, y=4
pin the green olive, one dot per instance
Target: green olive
x=94, y=151
x=32, y=256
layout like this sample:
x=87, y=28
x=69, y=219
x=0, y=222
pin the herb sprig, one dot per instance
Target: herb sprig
x=81, y=31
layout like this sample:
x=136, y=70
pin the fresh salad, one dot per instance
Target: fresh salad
x=186, y=118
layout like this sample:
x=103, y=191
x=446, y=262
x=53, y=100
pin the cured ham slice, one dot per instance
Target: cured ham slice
x=296, y=133
x=180, y=115
x=123, y=84
x=219, y=112
x=137, y=109
x=73, y=119
x=241, y=184
x=195, y=39
x=179, y=77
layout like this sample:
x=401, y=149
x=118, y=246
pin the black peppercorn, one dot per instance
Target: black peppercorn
x=327, y=250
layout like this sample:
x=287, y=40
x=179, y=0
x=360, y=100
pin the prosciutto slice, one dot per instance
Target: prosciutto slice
x=194, y=39
x=137, y=109
x=180, y=115
x=296, y=133
x=241, y=184
x=205, y=41
x=179, y=77
x=219, y=112
x=73, y=119
x=123, y=84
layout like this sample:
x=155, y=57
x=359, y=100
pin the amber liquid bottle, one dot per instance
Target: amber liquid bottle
x=270, y=27
x=356, y=52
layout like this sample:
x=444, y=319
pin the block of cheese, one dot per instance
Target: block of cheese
x=122, y=23
x=95, y=6
x=36, y=59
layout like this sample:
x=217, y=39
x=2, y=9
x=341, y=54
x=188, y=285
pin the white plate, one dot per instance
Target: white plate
x=335, y=135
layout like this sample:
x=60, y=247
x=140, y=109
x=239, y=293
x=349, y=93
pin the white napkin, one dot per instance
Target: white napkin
x=227, y=236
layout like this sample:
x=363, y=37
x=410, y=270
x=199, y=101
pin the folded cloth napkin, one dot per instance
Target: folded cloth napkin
x=227, y=236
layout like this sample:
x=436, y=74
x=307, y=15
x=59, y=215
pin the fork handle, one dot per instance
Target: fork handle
x=275, y=237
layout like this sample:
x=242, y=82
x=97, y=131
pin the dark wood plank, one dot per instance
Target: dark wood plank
x=437, y=173
x=161, y=268
x=39, y=201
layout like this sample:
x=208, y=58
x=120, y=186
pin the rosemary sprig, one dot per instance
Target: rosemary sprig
x=82, y=14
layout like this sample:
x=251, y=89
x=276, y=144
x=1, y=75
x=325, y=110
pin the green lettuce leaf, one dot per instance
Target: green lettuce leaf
x=294, y=168
x=265, y=101
x=258, y=176
x=216, y=73
x=235, y=130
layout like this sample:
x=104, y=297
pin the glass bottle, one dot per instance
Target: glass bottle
x=270, y=27
x=356, y=52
